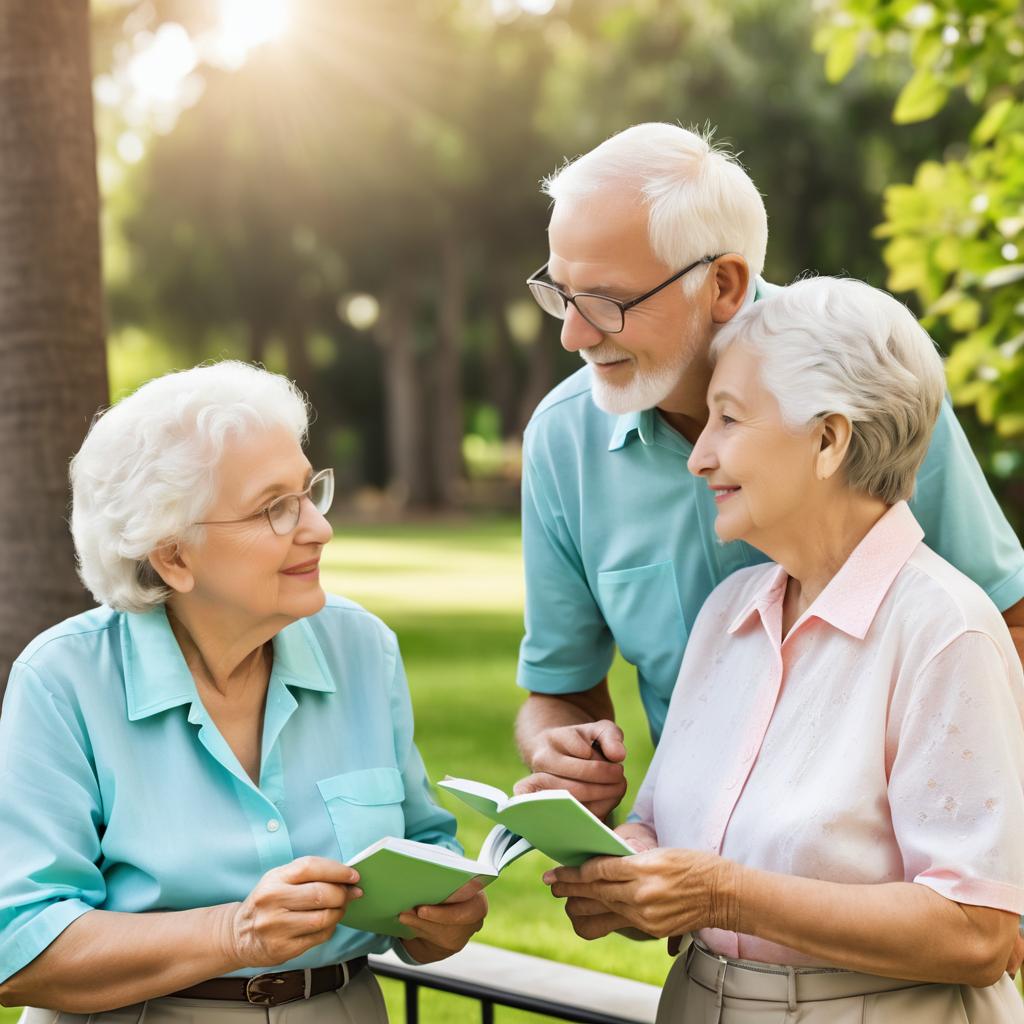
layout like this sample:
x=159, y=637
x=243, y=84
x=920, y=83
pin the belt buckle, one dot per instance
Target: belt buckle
x=256, y=995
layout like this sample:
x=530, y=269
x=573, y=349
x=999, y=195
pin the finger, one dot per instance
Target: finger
x=467, y=892
x=446, y=913
x=317, y=895
x=597, y=927
x=612, y=894
x=301, y=923
x=585, y=792
x=583, y=906
x=608, y=737
x=318, y=869
x=594, y=770
x=561, y=875
x=610, y=869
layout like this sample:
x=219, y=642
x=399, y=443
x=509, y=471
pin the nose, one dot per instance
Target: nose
x=702, y=459
x=577, y=333
x=313, y=527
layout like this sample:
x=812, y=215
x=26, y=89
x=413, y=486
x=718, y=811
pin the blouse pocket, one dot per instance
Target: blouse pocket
x=642, y=608
x=364, y=806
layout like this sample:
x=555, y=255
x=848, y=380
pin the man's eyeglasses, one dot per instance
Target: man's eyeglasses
x=283, y=512
x=608, y=315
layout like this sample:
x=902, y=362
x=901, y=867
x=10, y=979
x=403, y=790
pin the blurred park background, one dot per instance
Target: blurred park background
x=347, y=192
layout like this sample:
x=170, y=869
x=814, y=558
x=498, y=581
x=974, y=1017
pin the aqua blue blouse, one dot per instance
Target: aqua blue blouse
x=117, y=791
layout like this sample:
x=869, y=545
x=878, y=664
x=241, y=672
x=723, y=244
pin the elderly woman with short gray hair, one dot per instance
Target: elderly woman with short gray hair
x=185, y=768
x=835, y=810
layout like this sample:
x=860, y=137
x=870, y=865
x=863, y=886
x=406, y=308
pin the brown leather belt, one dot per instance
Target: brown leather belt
x=277, y=988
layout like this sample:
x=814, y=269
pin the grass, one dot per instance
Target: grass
x=454, y=596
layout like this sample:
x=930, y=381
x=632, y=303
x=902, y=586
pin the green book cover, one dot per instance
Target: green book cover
x=553, y=821
x=399, y=874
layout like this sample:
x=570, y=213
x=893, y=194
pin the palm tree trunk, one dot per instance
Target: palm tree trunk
x=54, y=374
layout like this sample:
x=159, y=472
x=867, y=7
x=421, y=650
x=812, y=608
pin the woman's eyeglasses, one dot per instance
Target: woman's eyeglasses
x=284, y=511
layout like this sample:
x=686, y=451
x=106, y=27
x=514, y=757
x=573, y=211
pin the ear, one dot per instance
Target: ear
x=836, y=433
x=170, y=565
x=730, y=279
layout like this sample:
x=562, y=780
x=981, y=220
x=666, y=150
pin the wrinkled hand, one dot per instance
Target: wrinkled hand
x=444, y=928
x=291, y=909
x=661, y=892
x=1016, y=956
x=564, y=758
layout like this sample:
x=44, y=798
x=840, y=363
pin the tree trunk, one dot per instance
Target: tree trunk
x=396, y=334
x=502, y=370
x=540, y=376
x=54, y=374
x=447, y=411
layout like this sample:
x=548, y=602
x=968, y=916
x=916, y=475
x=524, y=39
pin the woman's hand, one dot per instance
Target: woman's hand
x=640, y=837
x=660, y=892
x=291, y=909
x=1016, y=955
x=444, y=928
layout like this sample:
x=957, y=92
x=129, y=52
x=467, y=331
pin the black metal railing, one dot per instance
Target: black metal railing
x=487, y=996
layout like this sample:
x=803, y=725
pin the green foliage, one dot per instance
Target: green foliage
x=955, y=235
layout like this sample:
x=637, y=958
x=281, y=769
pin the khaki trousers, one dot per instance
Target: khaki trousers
x=360, y=1002
x=706, y=989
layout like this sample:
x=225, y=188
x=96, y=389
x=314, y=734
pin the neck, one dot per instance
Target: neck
x=221, y=650
x=814, y=546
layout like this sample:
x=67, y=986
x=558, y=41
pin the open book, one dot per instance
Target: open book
x=552, y=821
x=399, y=874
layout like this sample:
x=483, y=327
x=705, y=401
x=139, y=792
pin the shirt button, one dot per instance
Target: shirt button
x=273, y=825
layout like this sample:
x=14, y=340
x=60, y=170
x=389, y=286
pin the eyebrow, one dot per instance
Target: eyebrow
x=277, y=489
x=611, y=290
x=727, y=396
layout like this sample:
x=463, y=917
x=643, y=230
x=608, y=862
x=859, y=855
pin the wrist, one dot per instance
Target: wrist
x=223, y=934
x=727, y=895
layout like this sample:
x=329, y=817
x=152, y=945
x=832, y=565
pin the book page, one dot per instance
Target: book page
x=481, y=797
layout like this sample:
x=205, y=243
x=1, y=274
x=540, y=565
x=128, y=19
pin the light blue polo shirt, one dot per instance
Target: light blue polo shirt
x=620, y=549
x=118, y=792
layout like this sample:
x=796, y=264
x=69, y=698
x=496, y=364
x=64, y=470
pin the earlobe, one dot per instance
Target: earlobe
x=170, y=566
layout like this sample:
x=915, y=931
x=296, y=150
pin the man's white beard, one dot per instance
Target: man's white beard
x=644, y=390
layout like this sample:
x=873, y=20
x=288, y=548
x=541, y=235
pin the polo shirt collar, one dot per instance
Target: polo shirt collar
x=853, y=596
x=642, y=424
x=156, y=677
x=630, y=425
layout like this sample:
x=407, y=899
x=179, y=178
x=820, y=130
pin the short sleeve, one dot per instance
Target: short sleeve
x=567, y=646
x=50, y=816
x=961, y=518
x=956, y=782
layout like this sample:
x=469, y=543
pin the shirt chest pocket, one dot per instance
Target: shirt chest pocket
x=641, y=606
x=364, y=806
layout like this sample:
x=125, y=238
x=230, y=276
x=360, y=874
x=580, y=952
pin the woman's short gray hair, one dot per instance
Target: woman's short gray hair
x=147, y=471
x=833, y=345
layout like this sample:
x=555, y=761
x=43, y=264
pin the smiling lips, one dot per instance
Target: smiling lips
x=303, y=569
x=721, y=493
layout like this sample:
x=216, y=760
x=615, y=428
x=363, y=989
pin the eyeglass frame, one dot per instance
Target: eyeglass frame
x=623, y=306
x=265, y=511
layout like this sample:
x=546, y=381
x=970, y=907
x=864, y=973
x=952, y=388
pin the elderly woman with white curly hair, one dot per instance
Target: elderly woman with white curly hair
x=835, y=810
x=184, y=769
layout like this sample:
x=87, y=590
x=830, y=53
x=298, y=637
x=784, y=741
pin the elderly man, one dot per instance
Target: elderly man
x=655, y=240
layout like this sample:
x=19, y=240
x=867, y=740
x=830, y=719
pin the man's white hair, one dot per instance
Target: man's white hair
x=701, y=200
x=147, y=471
x=832, y=345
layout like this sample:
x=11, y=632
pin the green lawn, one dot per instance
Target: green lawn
x=454, y=596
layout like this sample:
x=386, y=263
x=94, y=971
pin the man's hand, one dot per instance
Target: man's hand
x=641, y=837
x=444, y=928
x=662, y=892
x=585, y=759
